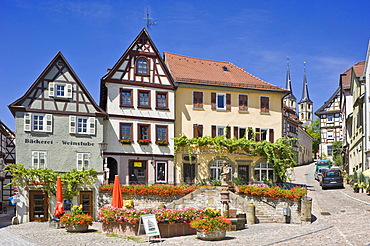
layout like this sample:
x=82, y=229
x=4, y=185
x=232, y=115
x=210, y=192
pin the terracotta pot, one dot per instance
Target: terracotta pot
x=77, y=228
x=356, y=190
x=212, y=235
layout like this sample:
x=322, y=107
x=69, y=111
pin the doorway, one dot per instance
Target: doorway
x=189, y=173
x=243, y=173
x=138, y=172
x=38, y=206
x=87, y=202
x=113, y=171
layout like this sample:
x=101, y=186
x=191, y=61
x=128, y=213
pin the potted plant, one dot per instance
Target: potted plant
x=125, y=141
x=144, y=141
x=162, y=142
x=76, y=221
x=211, y=228
x=355, y=183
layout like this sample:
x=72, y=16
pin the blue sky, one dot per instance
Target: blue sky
x=330, y=36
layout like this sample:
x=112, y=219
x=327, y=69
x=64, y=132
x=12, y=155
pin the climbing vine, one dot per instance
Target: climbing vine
x=45, y=179
x=279, y=153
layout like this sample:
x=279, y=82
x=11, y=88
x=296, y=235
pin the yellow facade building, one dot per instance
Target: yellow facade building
x=218, y=98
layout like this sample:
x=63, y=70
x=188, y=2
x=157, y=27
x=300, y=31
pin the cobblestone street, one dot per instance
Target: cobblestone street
x=340, y=218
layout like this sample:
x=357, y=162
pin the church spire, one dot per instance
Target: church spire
x=288, y=82
x=305, y=96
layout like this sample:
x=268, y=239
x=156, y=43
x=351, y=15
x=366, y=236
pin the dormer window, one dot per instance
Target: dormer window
x=142, y=66
x=60, y=90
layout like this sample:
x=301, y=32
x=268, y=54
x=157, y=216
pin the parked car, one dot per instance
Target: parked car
x=323, y=163
x=331, y=178
x=318, y=173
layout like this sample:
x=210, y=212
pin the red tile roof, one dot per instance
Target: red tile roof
x=191, y=70
x=346, y=76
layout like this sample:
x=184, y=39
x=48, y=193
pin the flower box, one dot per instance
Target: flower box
x=125, y=141
x=162, y=143
x=144, y=141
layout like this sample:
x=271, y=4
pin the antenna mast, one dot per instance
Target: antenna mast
x=147, y=18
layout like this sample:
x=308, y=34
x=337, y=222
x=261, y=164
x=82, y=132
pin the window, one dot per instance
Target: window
x=82, y=125
x=83, y=161
x=330, y=150
x=126, y=131
x=144, y=132
x=265, y=104
x=221, y=131
x=161, y=172
x=265, y=134
x=198, y=99
x=161, y=133
x=263, y=171
x=142, y=66
x=240, y=132
x=144, y=99
x=243, y=102
x=38, y=122
x=220, y=101
x=126, y=98
x=162, y=102
x=39, y=159
x=197, y=130
x=215, y=169
x=60, y=90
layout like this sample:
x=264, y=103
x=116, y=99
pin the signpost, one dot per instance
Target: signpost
x=15, y=192
x=150, y=225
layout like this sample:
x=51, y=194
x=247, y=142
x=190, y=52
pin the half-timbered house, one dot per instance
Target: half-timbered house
x=59, y=126
x=7, y=156
x=138, y=95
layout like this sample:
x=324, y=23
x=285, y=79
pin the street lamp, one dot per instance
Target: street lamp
x=103, y=147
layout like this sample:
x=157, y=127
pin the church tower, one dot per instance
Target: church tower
x=305, y=104
x=289, y=100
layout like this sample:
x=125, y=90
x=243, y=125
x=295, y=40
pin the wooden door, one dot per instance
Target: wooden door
x=87, y=202
x=189, y=173
x=243, y=172
x=38, y=206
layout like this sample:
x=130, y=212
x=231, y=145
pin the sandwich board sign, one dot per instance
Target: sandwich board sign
x=150, y=225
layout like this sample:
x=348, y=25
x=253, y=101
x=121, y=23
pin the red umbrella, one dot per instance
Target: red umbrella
x=59, y=208
x=117, y=194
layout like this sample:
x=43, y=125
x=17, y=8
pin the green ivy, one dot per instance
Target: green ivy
x=45, y=179
x=279, y=153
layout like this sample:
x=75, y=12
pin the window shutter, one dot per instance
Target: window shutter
x=79, y=161
x=91, y=125
x=271, y=135
x=195, y=99
x=51, y=89
x=86, y=161
x=258, y=135
x=213, y=100
x=72, y=124
x=228, y=101
x=243, y=102
x=228, y=131
x=250, y=132
x=200, y=130
x=27, y=122
x=236, y=131
x=195, y=130
x=69, y=90
x=213, y=131
x=49, y=122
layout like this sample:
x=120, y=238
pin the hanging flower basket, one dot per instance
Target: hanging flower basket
x=144, y=141
x=125, y=141
x=162, y=143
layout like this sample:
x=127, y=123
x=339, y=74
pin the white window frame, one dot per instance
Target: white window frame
x=328, y=118
x=267, y=134
x=224, y=101
x=218, y=128
x=157, y=170
x=83, y=161
x=41, y=157
x=90, y=125
x=29, y=121
x=68, y=90
x=215, y=168
x=246, y=132
x=263, y=166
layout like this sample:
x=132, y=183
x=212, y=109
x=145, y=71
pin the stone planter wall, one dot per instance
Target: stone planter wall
x=166, y=230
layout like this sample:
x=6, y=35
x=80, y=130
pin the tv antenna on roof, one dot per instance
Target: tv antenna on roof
x=149, y=23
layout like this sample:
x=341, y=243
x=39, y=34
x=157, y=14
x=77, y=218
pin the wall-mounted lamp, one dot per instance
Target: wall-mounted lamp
x=103, y=147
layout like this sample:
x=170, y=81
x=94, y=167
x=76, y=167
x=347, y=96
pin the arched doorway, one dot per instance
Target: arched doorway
x=113, y=170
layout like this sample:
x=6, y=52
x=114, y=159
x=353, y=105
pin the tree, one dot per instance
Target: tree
x=337, y=152
x=313, y=129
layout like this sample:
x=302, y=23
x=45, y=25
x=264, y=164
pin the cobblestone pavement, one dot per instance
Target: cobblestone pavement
x=341, y=217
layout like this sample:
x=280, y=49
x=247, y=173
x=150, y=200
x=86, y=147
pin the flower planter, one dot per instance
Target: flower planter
x=211, y=236
x=120, y=228
x=356, y=190
x=77, y=228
